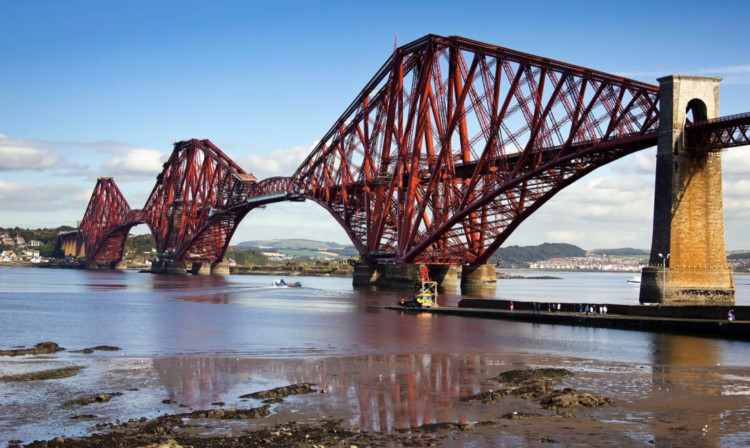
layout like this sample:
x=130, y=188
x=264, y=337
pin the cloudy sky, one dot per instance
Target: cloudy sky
x=91, y=89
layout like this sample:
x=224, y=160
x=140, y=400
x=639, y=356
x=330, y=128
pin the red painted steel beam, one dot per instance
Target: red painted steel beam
x=718, y=133
x=453, y=142
x=450, y=146
x=192, y=209
x=106, y=222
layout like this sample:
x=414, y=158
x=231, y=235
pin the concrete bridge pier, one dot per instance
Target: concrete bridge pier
x=158, y=267
x=688, y=263
x=368, y=275
x=446, y=275
x=94, y=266
x=404, y=276
x=201, y=269
x=220, y=268
x=478, y=279
x=175, y=268
x=121, y=265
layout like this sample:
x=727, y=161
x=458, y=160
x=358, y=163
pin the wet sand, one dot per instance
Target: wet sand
x=389, y=400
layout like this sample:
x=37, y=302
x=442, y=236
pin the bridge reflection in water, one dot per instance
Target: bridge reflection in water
x=378, y=393
x=682, y=394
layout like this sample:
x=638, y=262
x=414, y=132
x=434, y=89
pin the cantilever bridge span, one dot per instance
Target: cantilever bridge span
x=444, y=153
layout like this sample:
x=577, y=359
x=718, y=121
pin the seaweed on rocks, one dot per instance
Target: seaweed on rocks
x=42, y=348
x=282, y=392
x=51, y=374
x=538, y=385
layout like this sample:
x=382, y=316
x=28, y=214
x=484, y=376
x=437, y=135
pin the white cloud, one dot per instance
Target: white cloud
x=15, y=157
x=642, y=162
x=280, y=162
x=31, y=197
x=283, y=220
x=736, y=163
x=136, y=163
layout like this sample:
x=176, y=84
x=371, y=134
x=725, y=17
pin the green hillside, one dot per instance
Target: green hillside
x=301, y=248
x=291, y=243
x=521, y=256
x=247, y=257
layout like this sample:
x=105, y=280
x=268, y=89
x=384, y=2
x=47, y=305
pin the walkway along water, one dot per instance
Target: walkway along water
x=702, y=320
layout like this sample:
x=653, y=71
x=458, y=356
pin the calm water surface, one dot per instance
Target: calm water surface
x=155, y=315
x=198, y=340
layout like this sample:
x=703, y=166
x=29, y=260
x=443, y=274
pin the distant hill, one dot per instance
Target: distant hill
x=301, y=248
x=521, y=256
x=623, y=252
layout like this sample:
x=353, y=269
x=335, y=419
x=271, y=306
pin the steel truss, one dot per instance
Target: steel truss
x=107, y=222
x=455, y=142
x=718, y=133
x=192, y=210
x=445, y=152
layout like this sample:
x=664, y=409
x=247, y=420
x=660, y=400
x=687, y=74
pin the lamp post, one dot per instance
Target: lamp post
x=664, y=270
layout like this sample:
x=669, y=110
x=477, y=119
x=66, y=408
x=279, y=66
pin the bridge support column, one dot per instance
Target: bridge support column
x=175, y=268
x=688, y=233
x=368, y=274
x=201, y=269
x=220, y=268
x=405, y=275
x=158, y=267
x=478, y=279
x=402, y=275
x=121, y=265
x=446, y=275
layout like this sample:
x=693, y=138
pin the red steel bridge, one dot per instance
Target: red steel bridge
x=442, y=155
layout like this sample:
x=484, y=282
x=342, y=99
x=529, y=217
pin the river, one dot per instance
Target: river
x=179, y=325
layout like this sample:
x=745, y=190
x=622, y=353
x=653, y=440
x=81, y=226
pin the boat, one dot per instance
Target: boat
x=280, y=283
x=424, y=297
x=635, y=279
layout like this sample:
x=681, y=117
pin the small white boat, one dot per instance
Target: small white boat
x=635, y=279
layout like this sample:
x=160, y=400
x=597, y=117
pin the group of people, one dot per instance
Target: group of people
x=592, y=309
x=582, y=309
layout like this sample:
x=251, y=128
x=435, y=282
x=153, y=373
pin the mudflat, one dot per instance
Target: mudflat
x=389, y=400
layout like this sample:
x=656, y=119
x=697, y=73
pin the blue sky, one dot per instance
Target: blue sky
x=91, y=88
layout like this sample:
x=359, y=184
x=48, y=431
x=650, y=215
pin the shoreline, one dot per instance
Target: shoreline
x=424, y=400
x=688, y=320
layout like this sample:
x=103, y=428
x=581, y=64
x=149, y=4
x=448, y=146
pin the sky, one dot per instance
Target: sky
x=91, y=89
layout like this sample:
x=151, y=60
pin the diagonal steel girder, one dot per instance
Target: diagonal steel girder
x=454, y=142
x=187, y=209
x=718, y=133
x=107, y=222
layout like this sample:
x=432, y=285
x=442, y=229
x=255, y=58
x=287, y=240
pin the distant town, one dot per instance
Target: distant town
x=37, y=247
x=24, y=250
x=591, y=262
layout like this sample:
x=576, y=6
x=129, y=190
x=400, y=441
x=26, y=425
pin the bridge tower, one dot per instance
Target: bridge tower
x=688, y=262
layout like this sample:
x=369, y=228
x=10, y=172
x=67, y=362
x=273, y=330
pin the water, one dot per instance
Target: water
x=154, y=315
x=199, y=339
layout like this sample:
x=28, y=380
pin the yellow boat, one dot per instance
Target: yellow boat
x=425, y=297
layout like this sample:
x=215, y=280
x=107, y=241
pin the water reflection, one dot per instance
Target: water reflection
x=380, y=393
x=683, y=366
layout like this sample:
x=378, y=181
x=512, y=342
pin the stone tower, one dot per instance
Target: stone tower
x=688, y=264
